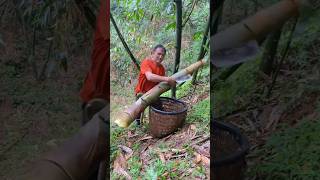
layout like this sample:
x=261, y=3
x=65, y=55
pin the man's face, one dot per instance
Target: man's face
x=158, y=55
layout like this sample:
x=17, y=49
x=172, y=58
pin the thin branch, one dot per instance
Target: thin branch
x=284, y=55
x=124, y=43
x=32, y=61
x=203, y=50
x=44, y=68
x=13, y=144
x=2, y=3
x=188, y=17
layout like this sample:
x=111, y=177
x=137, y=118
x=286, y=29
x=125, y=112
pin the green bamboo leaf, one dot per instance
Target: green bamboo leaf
x=197, y=35
x=171, y=26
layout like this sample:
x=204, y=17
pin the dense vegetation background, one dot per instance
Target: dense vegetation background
x=277, y=108
x=45, y=54
x=143, y=24
x=45, y=49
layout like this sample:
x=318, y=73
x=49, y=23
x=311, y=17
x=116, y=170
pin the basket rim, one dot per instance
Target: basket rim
x=241, y=139
x=184, y=109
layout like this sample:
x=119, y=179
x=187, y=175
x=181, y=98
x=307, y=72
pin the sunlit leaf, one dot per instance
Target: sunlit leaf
x=171, y=26
x=197, y=35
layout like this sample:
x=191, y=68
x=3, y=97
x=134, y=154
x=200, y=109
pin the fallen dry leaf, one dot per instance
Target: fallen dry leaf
x=165, y=174
x=125, y=149
x=120, y=162
x=131, y=134
x=121, y=171
x=193, y=127
x=168, y=155
x=197, y=159
x=178, y=150
x=128, y=151
x=129, y=144
x=200, y=158
x=166, y=138
x=201, y=150
x=274, y=117
x=161, y=156
x=144, y=138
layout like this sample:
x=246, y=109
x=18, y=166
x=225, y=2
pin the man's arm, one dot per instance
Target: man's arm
x=156, y=78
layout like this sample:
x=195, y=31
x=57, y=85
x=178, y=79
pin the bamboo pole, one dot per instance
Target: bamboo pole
x=256, y=27
x=178, y=41
x=127, y=116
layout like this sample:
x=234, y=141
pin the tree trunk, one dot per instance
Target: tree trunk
x=215, y=5
x=178, y=41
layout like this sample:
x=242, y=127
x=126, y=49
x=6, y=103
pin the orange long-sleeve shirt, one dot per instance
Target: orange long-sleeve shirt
x=144, y=85
x=96, y=84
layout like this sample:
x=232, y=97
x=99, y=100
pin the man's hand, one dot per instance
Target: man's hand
x=156, y=78
x=170, y=81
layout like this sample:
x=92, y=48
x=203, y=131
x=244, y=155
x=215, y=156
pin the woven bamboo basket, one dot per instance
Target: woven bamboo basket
x=166, y=116
x=229, y=150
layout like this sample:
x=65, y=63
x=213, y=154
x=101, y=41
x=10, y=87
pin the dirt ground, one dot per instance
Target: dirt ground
x=35, y=116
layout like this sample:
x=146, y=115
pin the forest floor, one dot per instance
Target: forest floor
x=35, y=116
x=184, y=154
x=283, y=128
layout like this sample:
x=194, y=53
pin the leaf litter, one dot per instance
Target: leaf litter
x=186, y=145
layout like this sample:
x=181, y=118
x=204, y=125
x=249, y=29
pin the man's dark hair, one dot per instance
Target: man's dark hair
x=159, y=46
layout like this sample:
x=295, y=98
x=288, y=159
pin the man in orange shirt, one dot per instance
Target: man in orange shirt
x=152, y=72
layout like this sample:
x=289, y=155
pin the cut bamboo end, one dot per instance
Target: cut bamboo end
x=124, y=120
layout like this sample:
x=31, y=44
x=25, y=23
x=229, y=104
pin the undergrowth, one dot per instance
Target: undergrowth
x=291, y=153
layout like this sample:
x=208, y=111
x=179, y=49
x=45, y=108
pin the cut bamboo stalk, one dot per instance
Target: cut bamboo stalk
x=126, y=117
x=256, y=27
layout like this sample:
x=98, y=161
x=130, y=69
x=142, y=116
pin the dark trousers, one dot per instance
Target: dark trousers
x=140, y=116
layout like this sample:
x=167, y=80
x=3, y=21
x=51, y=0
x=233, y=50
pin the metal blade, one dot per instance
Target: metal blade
x=182, y=79
x=232, y=56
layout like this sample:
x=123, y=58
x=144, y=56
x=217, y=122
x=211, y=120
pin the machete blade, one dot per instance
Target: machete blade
x=235, y=55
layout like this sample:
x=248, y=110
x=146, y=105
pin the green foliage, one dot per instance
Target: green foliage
x=184, y=90
x=292, y=153
x=236, y=90
x=135, y=166
x=201, y=112
x=151, y=173
x=306, y=32
x=199, y=172
x=156, y=26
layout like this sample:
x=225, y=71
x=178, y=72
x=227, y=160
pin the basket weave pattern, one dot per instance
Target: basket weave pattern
x=230, y=148
x=166, y=116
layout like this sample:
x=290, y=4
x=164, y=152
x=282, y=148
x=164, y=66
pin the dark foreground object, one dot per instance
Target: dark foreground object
x=229, y=150
x=80, y=156
x=166, y=116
